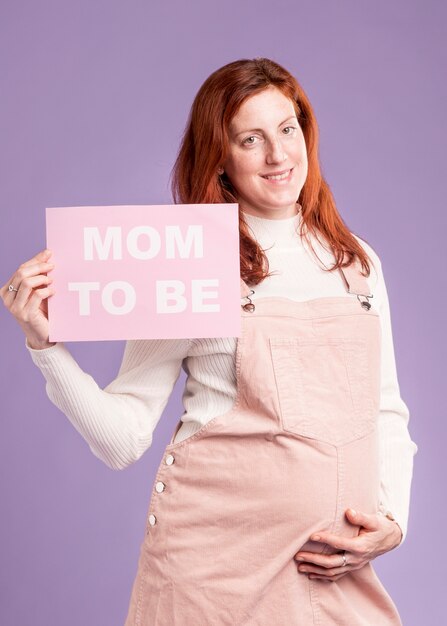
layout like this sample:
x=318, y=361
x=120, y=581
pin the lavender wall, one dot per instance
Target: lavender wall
x=94, y=98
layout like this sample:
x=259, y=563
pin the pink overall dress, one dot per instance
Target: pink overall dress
x=233, y=503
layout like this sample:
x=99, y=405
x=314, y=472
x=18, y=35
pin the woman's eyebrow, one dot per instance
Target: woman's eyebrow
x=251, y=130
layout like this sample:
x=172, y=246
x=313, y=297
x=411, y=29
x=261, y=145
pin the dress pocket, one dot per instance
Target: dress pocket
x=324, y=387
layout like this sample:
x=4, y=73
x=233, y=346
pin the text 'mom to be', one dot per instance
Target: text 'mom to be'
x=144, y=243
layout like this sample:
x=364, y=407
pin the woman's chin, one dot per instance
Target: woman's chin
x=274, y=202
x=287, y=203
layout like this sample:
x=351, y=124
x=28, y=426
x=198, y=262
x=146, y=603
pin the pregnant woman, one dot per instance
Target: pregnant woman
x=290, y=468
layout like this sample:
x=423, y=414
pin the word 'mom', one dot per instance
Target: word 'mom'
x=142, y=242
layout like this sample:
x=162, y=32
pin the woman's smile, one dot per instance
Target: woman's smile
x=279, y=178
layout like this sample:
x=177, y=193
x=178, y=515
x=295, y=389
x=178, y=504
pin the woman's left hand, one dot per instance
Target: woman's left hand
x=377, y=535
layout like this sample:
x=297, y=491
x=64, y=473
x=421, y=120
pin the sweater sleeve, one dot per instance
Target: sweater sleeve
x=396, y=446
x=118, y=421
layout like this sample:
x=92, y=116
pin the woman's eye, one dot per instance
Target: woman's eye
x=250, y=141
x=246, y=141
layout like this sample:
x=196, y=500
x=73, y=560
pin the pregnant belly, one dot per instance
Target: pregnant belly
x=265, y=495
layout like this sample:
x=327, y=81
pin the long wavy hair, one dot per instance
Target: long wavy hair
x=205, y=144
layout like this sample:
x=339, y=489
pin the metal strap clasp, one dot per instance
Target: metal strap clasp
x=249, y=306
x=364, y=303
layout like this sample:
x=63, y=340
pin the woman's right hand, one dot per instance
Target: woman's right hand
x=29, y=305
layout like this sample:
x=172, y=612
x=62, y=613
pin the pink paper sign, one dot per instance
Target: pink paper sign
x=144, y=272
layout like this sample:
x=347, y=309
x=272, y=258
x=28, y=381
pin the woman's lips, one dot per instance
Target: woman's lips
x=279, y=178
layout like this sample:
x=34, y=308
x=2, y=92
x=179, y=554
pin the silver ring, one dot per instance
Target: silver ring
x=343, y=556
x=12, y=288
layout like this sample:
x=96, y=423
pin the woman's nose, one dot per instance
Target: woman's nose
x=275, y=152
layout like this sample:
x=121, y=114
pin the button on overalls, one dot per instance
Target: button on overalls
x=234, y=502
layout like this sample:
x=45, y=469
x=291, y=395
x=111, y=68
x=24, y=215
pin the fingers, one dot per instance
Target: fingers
x=28, y=303
x=30, y=295
x=329, y=576
x=28, y=276
x=339, y=542
x=35, y=302
x=40, y=257
x=328, y=568
x=323, y=560
x=326, y=573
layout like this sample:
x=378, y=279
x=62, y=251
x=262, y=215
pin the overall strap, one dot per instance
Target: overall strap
x=245, y=289
x=355, y=282
x=246, y=292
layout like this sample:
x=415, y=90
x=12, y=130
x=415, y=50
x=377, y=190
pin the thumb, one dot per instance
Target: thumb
x=362, y=519
x=44, y=254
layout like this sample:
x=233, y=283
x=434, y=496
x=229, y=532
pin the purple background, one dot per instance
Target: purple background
x=95, y=96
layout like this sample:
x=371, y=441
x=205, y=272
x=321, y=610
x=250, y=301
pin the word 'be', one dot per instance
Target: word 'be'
x=170, y=296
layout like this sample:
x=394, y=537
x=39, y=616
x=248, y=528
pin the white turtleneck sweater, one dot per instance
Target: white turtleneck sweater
x=118, y=421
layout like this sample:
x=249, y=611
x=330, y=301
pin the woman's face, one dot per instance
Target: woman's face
x=265, y=140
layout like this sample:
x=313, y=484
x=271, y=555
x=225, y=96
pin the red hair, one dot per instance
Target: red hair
x=205, y=145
